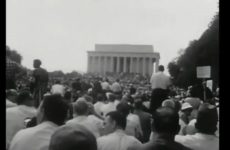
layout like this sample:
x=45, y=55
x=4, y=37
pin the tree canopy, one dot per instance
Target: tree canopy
x=201, y=52
x=13, y=55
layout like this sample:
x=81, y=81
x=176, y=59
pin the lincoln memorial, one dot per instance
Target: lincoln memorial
x=117, y=58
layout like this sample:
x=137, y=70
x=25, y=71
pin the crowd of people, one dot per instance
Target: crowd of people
x=114, y=112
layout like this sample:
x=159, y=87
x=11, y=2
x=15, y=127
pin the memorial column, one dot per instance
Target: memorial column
x=157, y=65
x=137, y=65
x=131, y=65
x=105, y=65
x=125, y=64
x=150, y=66
x=111, y=64
x=144, y=66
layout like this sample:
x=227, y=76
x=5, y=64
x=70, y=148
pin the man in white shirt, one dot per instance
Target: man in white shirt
x=133, y=125
x=206, y=125
x=81, y=111
x=99, y=104
x=160, y=84
x=51, y=114
x=111, y=106
x=15, y=116
x=58, y=88
x=115, y=138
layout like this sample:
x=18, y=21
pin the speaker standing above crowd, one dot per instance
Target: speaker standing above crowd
x=110, y=113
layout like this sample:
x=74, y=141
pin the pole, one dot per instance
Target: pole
x=204, y=86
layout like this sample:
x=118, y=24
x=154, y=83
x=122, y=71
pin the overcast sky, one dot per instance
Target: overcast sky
x=60, y=32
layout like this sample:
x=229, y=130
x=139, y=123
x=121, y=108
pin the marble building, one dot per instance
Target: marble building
x=117, y=58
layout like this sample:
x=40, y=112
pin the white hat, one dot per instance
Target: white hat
x=186, y=106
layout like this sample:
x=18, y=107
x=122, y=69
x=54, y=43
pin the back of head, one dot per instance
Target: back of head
x=119, y=118
x=11, y=92
x=138, y=104
x=37, y=63
x=81, y=107
x=100, y=97
x=123, y=108
x=166, y=120
x=24, y=96
x=111, y=97
x=69, y=138
x=161, y=68
x=55, y=109
x=168, y=103
x=207, y=119
x=57, y=82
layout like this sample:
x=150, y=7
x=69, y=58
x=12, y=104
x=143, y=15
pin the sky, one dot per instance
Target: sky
x=60, y=32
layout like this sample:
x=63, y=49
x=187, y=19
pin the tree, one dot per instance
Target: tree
x=201, y=52
x=13, y=55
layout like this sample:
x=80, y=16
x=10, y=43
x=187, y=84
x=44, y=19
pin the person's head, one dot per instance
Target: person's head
x=118, y=96
x=186, y=109
x=166, y=121
x=138, y=104
x=100, y=97
x=111, y=97
x=114, y=120
x=67, y=96
x=161, y=68
x=72, y=138
x=37, y=63
x=11, y=95
x=25, y=98
x=81, y=107
x=123, y=108
x=57, y=82
x=207, y=119
x=168, y=103
x=53, y=108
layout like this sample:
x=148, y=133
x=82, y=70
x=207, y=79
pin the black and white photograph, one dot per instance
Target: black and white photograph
x=112, y=75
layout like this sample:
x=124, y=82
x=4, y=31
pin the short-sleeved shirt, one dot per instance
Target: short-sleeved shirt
x=199, y=141
x=117, y=140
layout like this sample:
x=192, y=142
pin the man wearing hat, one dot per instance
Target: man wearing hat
x=206, y=125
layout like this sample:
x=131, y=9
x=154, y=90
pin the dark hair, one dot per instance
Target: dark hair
x=11, y=93
x=55, y=108
x=161, y=68
x=67, y=95
x=100, y=97
x=118, y=117
x=111, y=97
x=23, y=96
x=177, y=105
x=207, y=119
x=138, y=104
x=166, y=120
x=37, y=62
x=123, y=108
x=57, y=82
